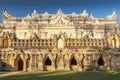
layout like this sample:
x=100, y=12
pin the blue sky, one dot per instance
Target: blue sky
x=99, y=8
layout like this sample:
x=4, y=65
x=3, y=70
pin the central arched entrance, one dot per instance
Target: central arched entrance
x=18, y=64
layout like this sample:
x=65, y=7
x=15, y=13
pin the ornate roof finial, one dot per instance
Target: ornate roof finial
x=114, y=11
x=113, y=15
x=59, y=11
x=74, y=14
x=91, y=16
x=84, y=13
x=46, y=13
x=6, y=15
x=34, y=13
x=28, y=16
x=4, y=11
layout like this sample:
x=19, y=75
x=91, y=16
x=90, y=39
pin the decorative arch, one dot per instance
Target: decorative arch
x=18, y=63
x=48, y=61
x=73, y=61
x=101, y=62
x=5, y=42
x=16, y=53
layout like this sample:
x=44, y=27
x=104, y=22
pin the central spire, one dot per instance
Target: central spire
x=59, y=11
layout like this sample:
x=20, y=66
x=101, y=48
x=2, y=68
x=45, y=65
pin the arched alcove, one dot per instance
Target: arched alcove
x=60, y=42
x=73, y=61
x=8, y=58
x=48, y=62
x=6, y=42
x=100, y=62
x=18, y=64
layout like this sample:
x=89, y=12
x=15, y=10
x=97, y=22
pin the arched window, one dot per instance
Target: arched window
x=100, y=61
x=73, y=61
x=48, y=61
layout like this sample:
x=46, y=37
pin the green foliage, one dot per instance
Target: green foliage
x=66, y=75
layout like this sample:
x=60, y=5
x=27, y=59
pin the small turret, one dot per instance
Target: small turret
x=113, y=16
x=34, y=13
x=85, y=14
x=6, y=15
x=46, y=14
x=74, y=14
x=91, y=16
x=60, y=12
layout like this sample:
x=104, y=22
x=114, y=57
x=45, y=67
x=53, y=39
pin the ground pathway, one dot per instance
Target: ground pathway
x=8, y=74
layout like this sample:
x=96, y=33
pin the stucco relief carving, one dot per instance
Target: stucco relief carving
x=61, y=42
x=6, y=42
x=60, y=20
x=113, y=41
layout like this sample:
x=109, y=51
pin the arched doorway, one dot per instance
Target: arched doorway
x=100, y=62
x=73, y=64
x=48, y=62
x=18, y=64
x=73, y=61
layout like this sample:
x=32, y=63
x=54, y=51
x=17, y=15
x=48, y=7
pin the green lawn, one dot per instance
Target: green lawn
x=66, y=75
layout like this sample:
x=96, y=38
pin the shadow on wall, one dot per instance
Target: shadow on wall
x=5, y=67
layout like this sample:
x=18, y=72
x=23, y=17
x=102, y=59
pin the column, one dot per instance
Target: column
x=53, y=65
x=34, y=62
x=24, y=65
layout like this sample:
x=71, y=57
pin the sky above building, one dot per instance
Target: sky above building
x=99, y=8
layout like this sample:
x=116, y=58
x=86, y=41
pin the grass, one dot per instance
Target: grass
x=66, y=75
